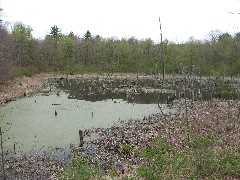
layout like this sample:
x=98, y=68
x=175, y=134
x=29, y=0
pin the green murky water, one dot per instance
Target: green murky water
x=32, y=125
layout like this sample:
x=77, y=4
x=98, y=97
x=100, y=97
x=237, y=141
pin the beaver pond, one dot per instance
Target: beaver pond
x=41, y=131
x=53, y=117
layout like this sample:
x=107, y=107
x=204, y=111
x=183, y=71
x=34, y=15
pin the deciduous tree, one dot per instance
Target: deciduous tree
x=22, y=37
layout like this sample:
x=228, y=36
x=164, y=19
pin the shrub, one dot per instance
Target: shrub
x=80, y=168
x=126, y=149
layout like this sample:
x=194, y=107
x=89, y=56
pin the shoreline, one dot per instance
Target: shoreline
x=11, y=90
x=19, y=87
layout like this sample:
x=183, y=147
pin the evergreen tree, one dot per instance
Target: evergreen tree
x=55, y=32
x=87, y=35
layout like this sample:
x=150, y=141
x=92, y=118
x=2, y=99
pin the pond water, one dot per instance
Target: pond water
x=31, y=123
x=53, y=117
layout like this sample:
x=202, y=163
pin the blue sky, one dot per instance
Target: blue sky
x=125, y=18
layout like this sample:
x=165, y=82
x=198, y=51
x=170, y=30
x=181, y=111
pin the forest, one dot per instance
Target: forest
x=22, y=54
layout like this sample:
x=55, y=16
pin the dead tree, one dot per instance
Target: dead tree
x=162, y=52
x=2, y=154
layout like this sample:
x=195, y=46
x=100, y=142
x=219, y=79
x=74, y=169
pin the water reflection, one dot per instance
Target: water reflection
x=155, y=91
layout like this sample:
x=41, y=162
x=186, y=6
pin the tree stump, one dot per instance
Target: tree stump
x=80, y=138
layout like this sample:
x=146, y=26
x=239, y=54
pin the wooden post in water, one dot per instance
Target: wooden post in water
x=80, y=138
x=4, y=175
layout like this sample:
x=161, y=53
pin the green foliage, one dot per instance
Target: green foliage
x=65, y=53
x=158, y=148
x=55, y=32
x=202, y=155
x=87, y=35
x=219, y=55
x=229, y=164
x=80, y=169
x=113, y=173
x=125, y=149
x=25, y=72
x=71, y=34
x=194, y=162
x=199, y=143
x=82, y=69
x=22, y=37
x=145, y=172
x=158, y=160
x=197, y=161
x=21, y=31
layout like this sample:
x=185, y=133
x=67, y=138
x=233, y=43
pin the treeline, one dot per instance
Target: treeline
x=68, y=53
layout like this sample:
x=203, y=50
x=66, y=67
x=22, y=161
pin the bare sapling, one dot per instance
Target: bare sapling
x=192, y=82
x=231, y=84
x=181, y=64
x=223, y=77
x=186, y=114
x=208, y=88
x=164, y=116
x=200, y=82
x=112, y=61
x=174, y=63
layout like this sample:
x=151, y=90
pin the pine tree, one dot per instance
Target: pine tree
x=88, y=35
x=55, y=32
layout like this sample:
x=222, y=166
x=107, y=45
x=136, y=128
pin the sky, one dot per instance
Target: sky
x=180, y=19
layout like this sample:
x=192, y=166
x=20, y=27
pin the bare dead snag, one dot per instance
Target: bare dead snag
x=2, y=154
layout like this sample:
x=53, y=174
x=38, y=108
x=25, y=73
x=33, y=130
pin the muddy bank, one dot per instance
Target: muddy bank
x=11, y=90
